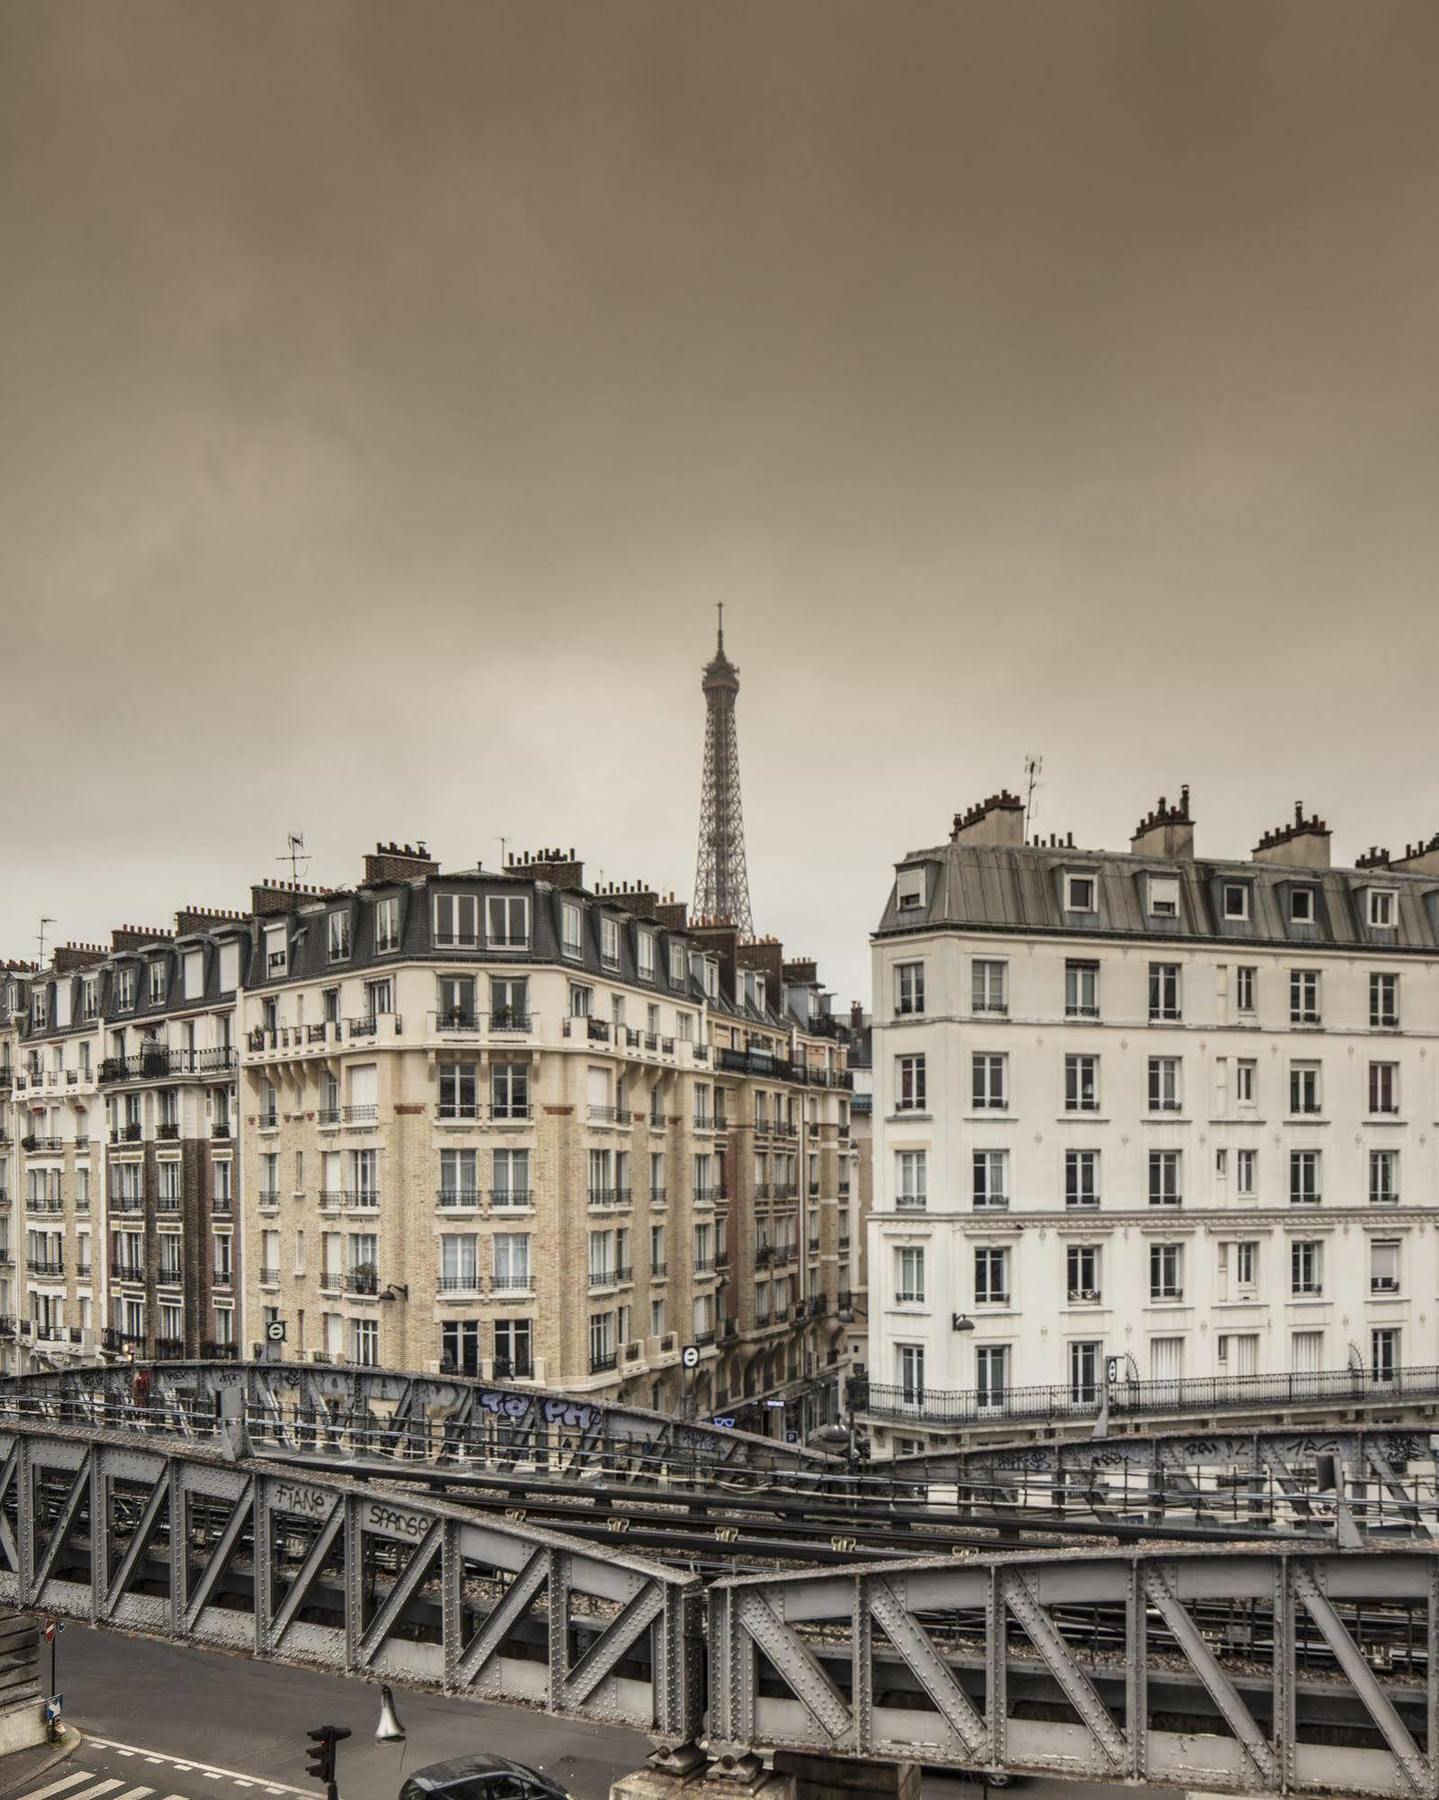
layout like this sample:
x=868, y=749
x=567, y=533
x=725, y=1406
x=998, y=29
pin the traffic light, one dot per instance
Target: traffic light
x=320, y=1757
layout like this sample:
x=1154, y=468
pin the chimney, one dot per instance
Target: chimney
x=856, y=1015
x=766, y=957
x=1301, y=845
x=1420, y=858
x=204, y=918
x=136, y=937
x=70, y=957
x=549, y=865
x=672, y=914
x=1372, y=858
x=720, y=938
x=1168, y=831
x=997, y=820
x=634, y=896
x=282, y=896
x=802, y=972
x=399, y=862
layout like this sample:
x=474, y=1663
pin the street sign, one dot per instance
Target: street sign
x=690, y=1356
x=1111, y=1370
x=775, y=1403
x=791, y=1437
x=54, y=1706
x=49, y=1631
x=726, y=1423
x=275, y=1331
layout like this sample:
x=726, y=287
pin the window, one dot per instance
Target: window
x=991, y=1178
x=330, y=1000
x=1246, y=1081
x=1304, y=997
x=991, y=1372
x=1234, y=899
x=1384, y=1266
x=1237, y=1353
x=507, y=921
x=679, y=965
x=991, y=1276
x=1301, y=906
x=158, y=973
x=1303, y=1177
x=909, y=1369
x=989, y=987
x=1081, y=990
x=125, y=984
x=337, y=935
x=909, y=1275
x=514, y=1347
x=602, y=1341
x=1383, y=1177
x=1081, y=1178
x=1306, y=1268
x=1383, y=905
x=509, y=1003
x=1304, y=1087
x=909, y=1072
x=510, y=1171
x=458, y=1178
x=990, y=1084
x=89, y=998
x=1165, y=1188
x=1246, y=1267
x=572, y=930
x=909, y=987
x=1246, y=1167
x=1081, y=1084
x=511, y=1251
x=1084, y=1372
x=365, y=1342
x=1079, y=893
x=909, y=890
x=1164, y=991
x=1306, y=1352
x=459, y=1090
x=1082, y=1272
x=645, y=955
x=1246, y=986
x=457, y=921
x=387, y=924
x=1384, y=1087
x=910, y=1177
x=1383, y=1001
x=1164, y=1084
x=1166, y=1271
x=609, y=942
x=510, y=1090
x=1163, y=896
x=1384, y=1352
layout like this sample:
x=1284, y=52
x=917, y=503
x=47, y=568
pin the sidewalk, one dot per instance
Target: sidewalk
x=23, y=1768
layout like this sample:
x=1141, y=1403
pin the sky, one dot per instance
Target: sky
x=390, y=393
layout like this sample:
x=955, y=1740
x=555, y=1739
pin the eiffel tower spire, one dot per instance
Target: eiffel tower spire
x=721, y=879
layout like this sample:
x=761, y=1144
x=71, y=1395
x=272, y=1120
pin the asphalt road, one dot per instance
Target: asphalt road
x=235, y=1716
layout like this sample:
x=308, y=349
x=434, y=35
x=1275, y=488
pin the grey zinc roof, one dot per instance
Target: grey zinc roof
x=983, y=887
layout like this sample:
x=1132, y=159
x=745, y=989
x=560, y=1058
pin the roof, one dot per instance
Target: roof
x=1020, y=888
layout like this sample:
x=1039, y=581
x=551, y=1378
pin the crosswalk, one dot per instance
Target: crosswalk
x=203, y=1780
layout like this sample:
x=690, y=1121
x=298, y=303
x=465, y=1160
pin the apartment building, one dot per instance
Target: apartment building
x=497, y=1123
x=1142, y=1107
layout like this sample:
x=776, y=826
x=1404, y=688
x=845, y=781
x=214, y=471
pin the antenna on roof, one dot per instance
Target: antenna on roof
x=1033, y=767
x=40, y=938
x=295, y=855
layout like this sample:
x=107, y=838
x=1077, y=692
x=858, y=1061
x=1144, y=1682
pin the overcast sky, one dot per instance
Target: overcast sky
x=389, y=393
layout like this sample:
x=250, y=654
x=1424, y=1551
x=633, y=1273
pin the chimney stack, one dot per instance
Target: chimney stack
x=1168, y=831
x=1304, y=844
x=191, y=919
x=672, y=914
x=549, y=865
x=271, y=897
x=70, y=957
x=136, y=937
x=398, y=862
x=997, y=820
x=1419, y=859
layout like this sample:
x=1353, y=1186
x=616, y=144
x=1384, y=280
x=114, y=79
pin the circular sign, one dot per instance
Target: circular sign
x=275, y=1331
x=690, y=1356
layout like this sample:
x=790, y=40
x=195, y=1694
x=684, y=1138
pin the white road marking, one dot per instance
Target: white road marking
x=138, y=1793
x=211, y=1772
x=100, y=1787
x=57, y=1787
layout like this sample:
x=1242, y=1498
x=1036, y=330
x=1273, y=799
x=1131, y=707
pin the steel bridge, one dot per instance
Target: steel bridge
x=154, y=1499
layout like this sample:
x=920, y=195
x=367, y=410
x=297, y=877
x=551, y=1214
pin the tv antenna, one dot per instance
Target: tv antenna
x=1033, y=768
x=40, y=938
x=295, y=855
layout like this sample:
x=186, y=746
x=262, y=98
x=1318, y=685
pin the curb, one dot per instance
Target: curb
x=70, y=1742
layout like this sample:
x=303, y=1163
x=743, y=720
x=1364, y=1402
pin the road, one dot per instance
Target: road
x=231, y=1715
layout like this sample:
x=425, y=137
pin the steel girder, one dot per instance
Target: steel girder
x=335, y=1411
x=1389, y=1473
x=180, y=1542
x=1111, y=1668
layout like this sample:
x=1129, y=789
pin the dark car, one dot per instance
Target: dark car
x=481, y=1778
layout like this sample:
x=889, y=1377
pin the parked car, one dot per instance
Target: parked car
x=481, y=1778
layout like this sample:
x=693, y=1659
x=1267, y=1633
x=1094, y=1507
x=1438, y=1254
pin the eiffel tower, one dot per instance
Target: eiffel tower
x=721, y=880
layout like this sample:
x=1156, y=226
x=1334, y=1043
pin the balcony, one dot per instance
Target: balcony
x=222, y=1278
x=602, y=1361
x=512, y=1197
x=215, y=1352
x=512, y=1368
x=328, y=1115
x=160, y=1063
x=363, y=1200
x=44, y=1203
x=169, y=1349
x=127, y=1203
x=46, y=1145
x=457, y=1112
x=359, y=1115
x=167, y=1131
x=220, y=1131
x=269, y=1199
x=364, y=1279
x=458, y=1199
x=704, y=1265
x=520, y=1282
x=170, y=1203
x=460, y=1284
x=511, y=1112
x=332, y=1199
x=269, y=1278
x=1080, y=1296
x=48, y=1266
x=125, y=1134
x=659, y=1271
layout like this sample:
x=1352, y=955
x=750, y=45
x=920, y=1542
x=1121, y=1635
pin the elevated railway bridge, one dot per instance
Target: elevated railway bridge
x=1248, y=1609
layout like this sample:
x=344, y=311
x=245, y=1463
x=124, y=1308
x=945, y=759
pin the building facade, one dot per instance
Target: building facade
x=1145, y=1117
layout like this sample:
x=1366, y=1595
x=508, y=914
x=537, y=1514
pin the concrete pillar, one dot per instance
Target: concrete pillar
x=707, y=1782
x=838, y=1778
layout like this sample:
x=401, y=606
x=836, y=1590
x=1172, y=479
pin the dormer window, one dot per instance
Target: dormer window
x=572, y=940
x=39, y=1010
x=125, y=988
x=610, y=943
x=387, y=924
x=277, y=955
x=1382, y=909
x=157, y=983
x=337, y=929
x=679, y=965
x=711, y=978
x=1164, y=896
x=1234, y=899
x=1301, y=906
x=645, y=955
x=909, y=890
x=1079, y=893
x=457, y=924
x=507, y=921
x=89, y=998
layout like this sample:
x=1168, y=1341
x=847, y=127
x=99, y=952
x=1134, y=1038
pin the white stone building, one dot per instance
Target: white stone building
x=1144, y=1118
